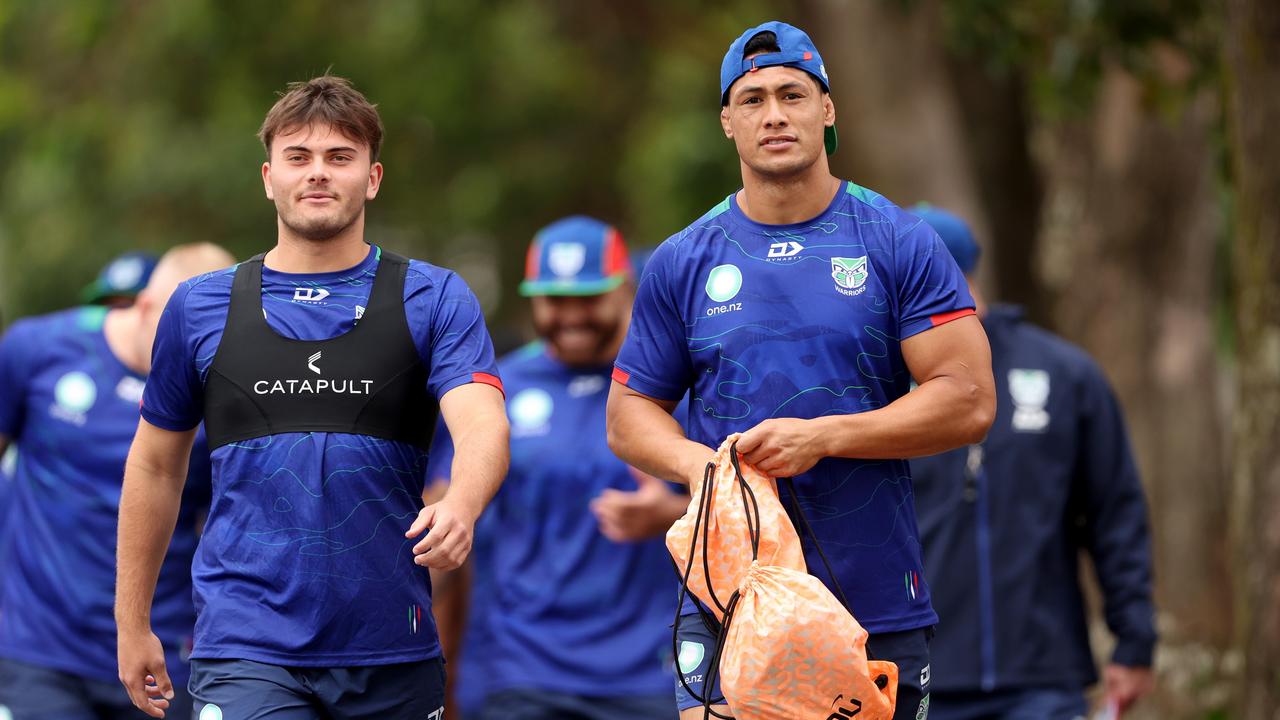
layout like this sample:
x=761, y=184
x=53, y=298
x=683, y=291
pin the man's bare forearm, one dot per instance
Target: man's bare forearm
x=149, y=503
x=643, y=434
x=481, y=455
x=941, y=414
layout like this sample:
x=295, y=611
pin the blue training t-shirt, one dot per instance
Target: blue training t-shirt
x=71, y=408
x=304, y=560
x=566, y=610
x=803, y=321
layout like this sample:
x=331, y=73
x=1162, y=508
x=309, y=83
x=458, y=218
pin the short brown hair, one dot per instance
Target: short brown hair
x=326, y=100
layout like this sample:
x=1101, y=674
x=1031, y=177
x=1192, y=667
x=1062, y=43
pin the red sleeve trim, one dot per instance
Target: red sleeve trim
x=488, y=379
x=621, y=376
x=944, y=318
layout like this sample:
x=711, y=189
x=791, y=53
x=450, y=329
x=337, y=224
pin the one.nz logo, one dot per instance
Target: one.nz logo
x=850, y=275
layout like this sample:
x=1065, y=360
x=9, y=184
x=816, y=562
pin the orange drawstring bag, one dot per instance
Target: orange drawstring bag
x=786, y=648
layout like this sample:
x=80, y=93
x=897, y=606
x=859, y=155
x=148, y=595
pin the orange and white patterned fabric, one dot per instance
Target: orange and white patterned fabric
x=789, y=650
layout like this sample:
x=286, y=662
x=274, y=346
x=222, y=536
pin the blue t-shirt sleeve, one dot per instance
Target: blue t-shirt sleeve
x=449, y=329
x=17, y=349
x=174, y=395
x=931, y=289
x=654, y=359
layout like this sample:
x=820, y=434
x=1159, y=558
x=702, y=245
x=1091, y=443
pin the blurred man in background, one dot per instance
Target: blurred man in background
x=70, y=384
x=319, y=369
x=572, y=600
x=1004, y=521
x=797, y=311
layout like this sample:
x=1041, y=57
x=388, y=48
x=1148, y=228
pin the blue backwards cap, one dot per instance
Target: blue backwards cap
x=796, y=50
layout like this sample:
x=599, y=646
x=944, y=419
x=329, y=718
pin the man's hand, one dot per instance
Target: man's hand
x=448, y=543
x=143, y=673
x=640, y=514
x=782, y=447
x=1124, y=685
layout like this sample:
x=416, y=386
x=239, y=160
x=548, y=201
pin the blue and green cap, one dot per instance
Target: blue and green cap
x=795, y=50
x=123, y=277
x=577, y=255
x=955, y=234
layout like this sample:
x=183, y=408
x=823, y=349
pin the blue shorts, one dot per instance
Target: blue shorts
x=34, y=692
x=1034, y=703
x=542, y=705
x=695, y=643
x=247, y=690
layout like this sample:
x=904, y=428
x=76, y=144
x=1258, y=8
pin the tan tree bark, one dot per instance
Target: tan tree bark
x=1127, y=252
x=901, y=132
x=1253, y=111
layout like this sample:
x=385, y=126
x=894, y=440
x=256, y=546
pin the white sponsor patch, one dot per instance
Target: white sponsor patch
x=691, y=654
x=1030, y=392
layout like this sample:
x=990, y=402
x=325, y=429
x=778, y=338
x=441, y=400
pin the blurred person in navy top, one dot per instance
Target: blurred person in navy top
x=573, y=594
x=319, y=369
x=70, y=384
x=1004, y=522
x=797, y=311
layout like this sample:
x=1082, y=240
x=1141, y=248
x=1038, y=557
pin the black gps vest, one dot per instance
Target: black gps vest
x=368, y=381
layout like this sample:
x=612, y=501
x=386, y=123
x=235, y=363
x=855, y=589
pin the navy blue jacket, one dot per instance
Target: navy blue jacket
x=1003, y=524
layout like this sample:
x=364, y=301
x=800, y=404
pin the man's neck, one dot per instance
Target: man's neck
x=121, y=328
x=293, y=254
x=783, y=201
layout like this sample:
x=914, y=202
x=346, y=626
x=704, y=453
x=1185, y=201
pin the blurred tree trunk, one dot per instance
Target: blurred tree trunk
x=1253, y=71
x=900, y=125
x=996, y=113
x=1127, y=251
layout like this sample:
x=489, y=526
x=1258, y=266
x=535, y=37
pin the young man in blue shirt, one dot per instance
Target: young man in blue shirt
x=797, y=312
x=70, y=384
x=573, y=593
x=1003, y=523
x=318, y=369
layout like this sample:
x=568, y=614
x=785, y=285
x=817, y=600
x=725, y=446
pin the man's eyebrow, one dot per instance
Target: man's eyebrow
x=789, y=85
x=301, y=148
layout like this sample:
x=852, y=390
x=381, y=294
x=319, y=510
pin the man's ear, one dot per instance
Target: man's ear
x=828, y=110
x=266, y=180
x=375, y=181
x=724, y=122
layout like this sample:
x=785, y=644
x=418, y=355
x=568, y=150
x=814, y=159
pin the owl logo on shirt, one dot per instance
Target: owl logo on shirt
x=850, y=274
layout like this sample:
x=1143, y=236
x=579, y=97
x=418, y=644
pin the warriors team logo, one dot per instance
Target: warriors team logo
x=1030, y=392
x=566, y=259
x=850, y=274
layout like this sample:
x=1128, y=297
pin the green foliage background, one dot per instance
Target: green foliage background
x=131, y=125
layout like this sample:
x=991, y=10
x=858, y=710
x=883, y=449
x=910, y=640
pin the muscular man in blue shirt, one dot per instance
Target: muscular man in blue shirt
x=70, y=384
x=318, y=369
x=798, y=311
x=1003, y=523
